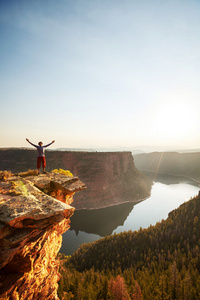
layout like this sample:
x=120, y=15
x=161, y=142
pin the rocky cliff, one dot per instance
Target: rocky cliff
x=111, y=177
x=32, y=222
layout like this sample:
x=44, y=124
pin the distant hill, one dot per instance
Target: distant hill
x=160, y=262
x=74, y=149
x=183, y=164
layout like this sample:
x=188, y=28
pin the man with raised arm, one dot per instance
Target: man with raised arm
x=41, y=155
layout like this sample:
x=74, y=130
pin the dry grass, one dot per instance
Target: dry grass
x=5, y=175
x=28, y=173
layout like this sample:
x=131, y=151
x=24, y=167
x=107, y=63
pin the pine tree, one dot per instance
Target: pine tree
x=136, y=294
x=118, y=289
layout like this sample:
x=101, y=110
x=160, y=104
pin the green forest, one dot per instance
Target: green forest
x=161, y=262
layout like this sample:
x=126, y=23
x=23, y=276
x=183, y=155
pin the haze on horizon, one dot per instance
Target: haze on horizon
x=100, y=73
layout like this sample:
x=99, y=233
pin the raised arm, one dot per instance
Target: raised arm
x=31, y=143
x=49, y=144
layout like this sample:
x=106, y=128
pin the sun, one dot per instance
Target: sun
x=174, y=120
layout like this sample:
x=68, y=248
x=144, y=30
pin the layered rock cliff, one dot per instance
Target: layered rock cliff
x=111, y=177
x=32, y=222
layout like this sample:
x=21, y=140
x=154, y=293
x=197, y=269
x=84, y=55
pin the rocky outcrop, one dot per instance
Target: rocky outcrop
x=111, y=177
x=32, y=222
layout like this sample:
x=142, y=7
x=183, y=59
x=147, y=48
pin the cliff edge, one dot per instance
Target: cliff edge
x=32, y=221
x=111, y=177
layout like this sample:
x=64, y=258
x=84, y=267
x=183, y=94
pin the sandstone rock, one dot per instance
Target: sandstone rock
x=31, y=227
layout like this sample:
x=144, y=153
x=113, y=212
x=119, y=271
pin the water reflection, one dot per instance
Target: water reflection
x=100, y=221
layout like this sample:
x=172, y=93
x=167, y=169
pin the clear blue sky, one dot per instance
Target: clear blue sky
x=100, y=73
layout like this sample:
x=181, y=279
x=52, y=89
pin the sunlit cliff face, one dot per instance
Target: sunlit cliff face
x=31, y=228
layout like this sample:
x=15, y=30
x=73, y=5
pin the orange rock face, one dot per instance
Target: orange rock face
x=31, y=228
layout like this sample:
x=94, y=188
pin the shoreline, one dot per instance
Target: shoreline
x=175, y=175
x=143, y=199
x=123, y=202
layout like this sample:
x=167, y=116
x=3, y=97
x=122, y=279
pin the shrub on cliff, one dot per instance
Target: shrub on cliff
x=63, y=172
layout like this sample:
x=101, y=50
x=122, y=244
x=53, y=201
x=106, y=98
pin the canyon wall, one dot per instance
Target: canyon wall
x=111, y=177
x=174, y=163
x=32, y=222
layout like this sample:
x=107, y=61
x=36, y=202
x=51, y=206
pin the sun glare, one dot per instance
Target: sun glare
x=174, y=120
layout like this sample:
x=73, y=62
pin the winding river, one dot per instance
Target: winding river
x=167, y=194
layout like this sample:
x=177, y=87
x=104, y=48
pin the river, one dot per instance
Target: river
x=167, y=194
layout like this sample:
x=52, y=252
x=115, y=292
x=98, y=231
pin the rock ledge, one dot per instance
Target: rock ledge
x=34, y=213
